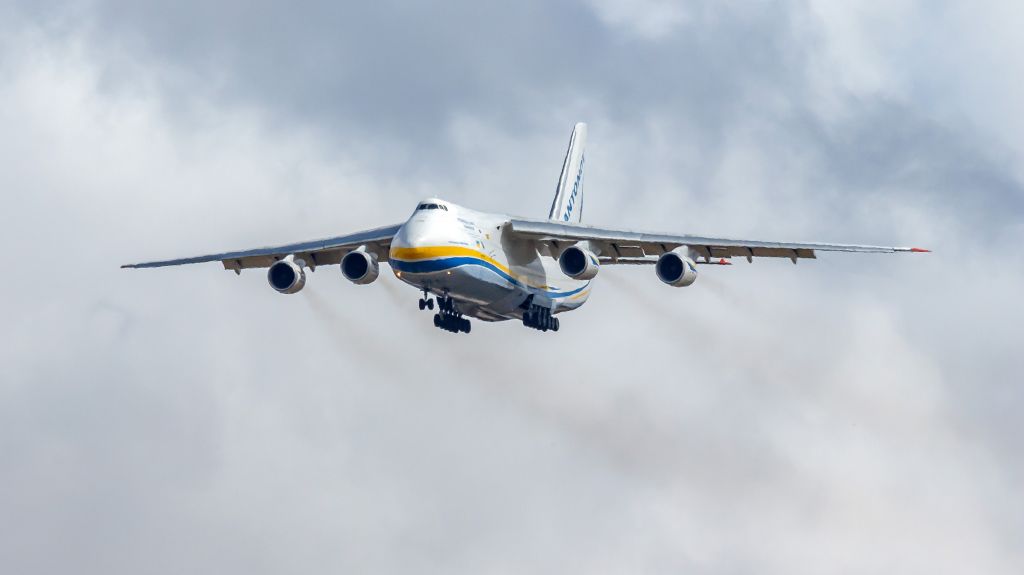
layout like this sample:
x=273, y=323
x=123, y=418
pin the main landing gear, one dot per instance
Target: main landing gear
x=448, y=316
x=539, y=317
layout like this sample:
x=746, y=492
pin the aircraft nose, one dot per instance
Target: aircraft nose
x=412, y=234
x=420, y=231
x=418, y=234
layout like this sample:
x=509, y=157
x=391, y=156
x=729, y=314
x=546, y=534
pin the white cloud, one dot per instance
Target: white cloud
x=647, y=19
x=844, y=414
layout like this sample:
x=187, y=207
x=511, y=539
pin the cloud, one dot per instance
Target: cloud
x=846, y=413
x=652, y=19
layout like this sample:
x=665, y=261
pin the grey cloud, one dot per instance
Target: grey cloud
x=376, y=73
x=850, y=413
x=402, y=71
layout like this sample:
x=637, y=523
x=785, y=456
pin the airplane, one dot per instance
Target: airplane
x=495, y=267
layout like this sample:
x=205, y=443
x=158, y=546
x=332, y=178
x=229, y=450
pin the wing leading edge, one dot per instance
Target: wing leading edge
x=629, y=247
x=315, y=252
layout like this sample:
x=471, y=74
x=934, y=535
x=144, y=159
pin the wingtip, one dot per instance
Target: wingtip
x=920, y=251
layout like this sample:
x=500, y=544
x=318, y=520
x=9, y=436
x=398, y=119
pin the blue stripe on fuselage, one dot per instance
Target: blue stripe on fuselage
x=442, y=264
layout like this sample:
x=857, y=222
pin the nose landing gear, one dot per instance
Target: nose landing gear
x=425, y=301
x=448, y=316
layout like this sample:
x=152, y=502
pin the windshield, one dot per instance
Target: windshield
x=426, y=206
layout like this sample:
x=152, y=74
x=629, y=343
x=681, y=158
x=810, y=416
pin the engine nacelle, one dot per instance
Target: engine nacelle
x=360, y=267
x=676, y=268
x=578, y=263
x=286, y=276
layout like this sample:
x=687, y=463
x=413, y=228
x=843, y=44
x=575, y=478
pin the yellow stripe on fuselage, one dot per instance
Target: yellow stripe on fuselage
x=431, y=252
x=582, y=294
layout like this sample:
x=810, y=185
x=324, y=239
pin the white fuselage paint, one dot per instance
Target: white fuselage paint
x=468, y=256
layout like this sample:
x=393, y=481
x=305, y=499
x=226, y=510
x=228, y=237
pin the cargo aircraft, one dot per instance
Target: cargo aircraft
x=495, y=267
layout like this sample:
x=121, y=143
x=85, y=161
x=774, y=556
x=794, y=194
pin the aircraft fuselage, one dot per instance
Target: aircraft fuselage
x=448, y=250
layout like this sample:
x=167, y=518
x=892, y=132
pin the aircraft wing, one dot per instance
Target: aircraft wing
x=629, y=247
x=316, y=252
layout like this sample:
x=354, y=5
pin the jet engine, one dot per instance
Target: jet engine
x=578, y=263
x=360, y=267
x=286, y=276
x=676, y=268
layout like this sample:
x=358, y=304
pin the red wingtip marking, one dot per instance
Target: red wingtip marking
x=724, y=262
x=920, y=251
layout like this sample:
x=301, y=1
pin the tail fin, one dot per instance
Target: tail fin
x=568, y=203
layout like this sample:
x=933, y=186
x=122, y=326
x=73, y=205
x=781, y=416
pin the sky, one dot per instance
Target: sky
x=852, y=414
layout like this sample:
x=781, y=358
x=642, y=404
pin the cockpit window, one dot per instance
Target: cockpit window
x=426, y=206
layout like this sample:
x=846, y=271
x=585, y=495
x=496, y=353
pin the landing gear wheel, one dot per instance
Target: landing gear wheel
x=423, y=304
x=540, y=319
x=448, y=317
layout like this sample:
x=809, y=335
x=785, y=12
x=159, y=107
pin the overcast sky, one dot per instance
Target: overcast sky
x=853, y=414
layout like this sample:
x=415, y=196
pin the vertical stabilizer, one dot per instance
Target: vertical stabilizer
x=568, y=203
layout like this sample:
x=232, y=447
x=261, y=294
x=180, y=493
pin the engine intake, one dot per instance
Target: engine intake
x=286, y=276
x=360, y=267
x=578, y=263
x=676, y=269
